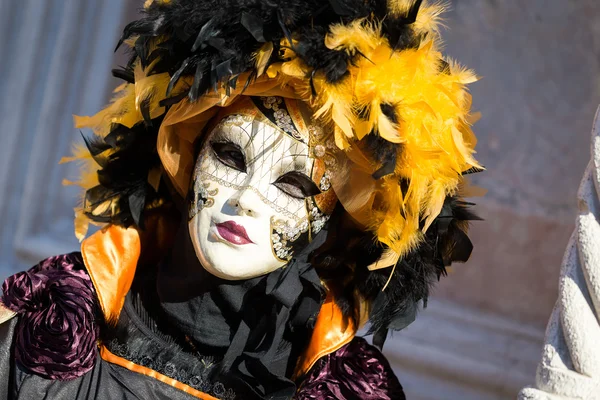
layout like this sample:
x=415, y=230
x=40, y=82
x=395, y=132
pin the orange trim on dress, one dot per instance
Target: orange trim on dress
x=122, y=362
x=332, y=331
x=111, y=257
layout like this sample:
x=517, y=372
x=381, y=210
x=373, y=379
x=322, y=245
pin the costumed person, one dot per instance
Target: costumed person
x=272, y=176
x=570, y=364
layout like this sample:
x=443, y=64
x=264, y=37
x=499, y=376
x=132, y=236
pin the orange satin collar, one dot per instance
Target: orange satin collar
x=111, y=257
x=332, y=331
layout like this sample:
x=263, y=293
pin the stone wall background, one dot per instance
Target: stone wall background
x=481, y=336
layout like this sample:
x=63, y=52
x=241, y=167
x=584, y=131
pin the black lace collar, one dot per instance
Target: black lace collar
x=138, y=339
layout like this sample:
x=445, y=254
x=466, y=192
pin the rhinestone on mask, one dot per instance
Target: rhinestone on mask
x=284, y=234
x=282, y=118
x=325, y=183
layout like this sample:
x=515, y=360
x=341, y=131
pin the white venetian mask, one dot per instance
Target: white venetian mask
x=252, y=197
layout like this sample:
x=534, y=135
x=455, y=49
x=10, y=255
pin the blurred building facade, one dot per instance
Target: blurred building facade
x=481, y=336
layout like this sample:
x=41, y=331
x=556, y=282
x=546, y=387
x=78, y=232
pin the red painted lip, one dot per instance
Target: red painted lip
x=233, y=232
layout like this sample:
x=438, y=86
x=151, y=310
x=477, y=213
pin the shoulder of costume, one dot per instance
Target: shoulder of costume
x=355, y=365
x=57, y=306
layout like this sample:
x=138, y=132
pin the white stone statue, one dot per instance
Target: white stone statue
x=570, y=365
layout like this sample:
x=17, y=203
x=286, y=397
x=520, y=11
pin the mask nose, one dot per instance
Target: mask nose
x=244, y=203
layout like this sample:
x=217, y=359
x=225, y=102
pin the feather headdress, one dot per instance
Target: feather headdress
x=398, y=136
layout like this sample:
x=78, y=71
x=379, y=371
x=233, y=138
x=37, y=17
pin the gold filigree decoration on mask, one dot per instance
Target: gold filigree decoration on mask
x=202, y=198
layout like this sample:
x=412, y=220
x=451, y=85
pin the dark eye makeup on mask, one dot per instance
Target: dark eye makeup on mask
x=293, y=183
x=230, y=154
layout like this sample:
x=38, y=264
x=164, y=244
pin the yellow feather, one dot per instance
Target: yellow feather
x=388, y=259
x=340, y=116
x=341, y=141
x=399, y=7
x=437, y=196
x=81, y=224
x=358, y=35
x=388, y=130
x=462, y=74
x=102, y=207
x=79, y=152
x=294, y=69
x=465, y=152
x=262, y=57
x=429, y=18
x=147, y=3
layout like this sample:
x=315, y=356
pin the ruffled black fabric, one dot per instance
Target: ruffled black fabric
x=254, y=330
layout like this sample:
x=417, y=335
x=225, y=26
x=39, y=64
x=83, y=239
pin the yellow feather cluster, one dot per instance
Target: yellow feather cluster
x=433, y=131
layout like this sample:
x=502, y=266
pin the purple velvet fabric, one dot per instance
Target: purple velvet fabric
x=57, y=331
x=355, y=371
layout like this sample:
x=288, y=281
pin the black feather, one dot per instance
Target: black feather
x=444, y=66
x=145, y=110
x=389, y=111
x=383, y=152
x=254, y=25
x=137, y=202
x=175, y=77
x=411, y=17
x=169, y=101
x=123, y=176
x=388, y=167
x=341, y=8
x=124, y=74
x=473, y=170
x=95, y=145
x=207, y=31
x=195, y=89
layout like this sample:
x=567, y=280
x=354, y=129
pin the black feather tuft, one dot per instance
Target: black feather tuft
x=123, y=177
x=124, y=74
x=211, y=41
x=349, y=251
x=383, y=152
x=389, y=111
x=444, y=66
